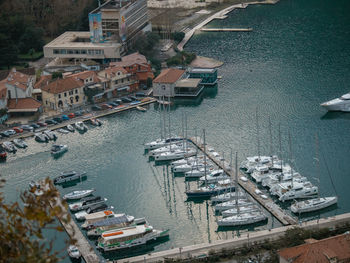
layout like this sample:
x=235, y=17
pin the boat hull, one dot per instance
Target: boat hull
x=298, y=207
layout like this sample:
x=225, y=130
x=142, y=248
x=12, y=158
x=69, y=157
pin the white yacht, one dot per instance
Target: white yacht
x=57, y=150
x=298, y=190
x=239, y=210
x=173, y=155
x=84, y=204
x=40, y=137
x=233, y=203
x=313, y=204
x=198, y=173
x=226, y=197
x=339, y=104
x=211, y=189
x=242, y=219
x=50, y=134
x=8, y=146
x=80, y=126
x=162, y=142
x=277, y=178
x=190, y=160
x=70, y=128
x=78, y=194
x=260, y=172
x=214, y=176
x=251, y=162
x=191, y=166
x=167, y=148
x=128, y=237
x=97, y=216
x=108, y=218
x=63, y=131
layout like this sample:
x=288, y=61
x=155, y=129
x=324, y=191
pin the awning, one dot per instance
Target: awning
x=22, y=110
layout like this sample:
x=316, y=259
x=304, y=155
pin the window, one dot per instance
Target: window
x=122, y=80
x=83, y=51
x=59, y=96
x=163, y=87
x=65, y=94
x=56, y=51
x=60, y=103
x=70, y=92
x=46, y=102
x=76, y=98
x=71, y=100
x=91, y=79
x=76, y=91
x=70, y=51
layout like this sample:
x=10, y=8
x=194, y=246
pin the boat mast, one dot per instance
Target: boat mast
x=280, y=142
x=257, y=132
x=318, y=165
x=183, y=131
x=270, y=131
x=231, y=172
x=160, y=121
x=169, y=122
x=291, y=156
x=164, y=122
x=205, y=159
x=236, y=185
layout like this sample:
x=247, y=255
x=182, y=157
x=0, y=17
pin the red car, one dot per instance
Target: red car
x=41, y=124
x=106, y=106
x=17, y=129
x=71, y=115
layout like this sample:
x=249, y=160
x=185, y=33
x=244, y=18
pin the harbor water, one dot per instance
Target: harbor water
x=296, y=57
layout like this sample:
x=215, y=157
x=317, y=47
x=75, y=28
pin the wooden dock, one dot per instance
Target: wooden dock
x=249, y=186
x=226, y=29
x=72, y=229
x=84, y=118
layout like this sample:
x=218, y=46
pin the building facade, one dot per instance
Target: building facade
x=209, y=76
x=164, y=84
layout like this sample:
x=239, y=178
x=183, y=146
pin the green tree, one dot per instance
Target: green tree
x=31, y=38
x=57, y=75
x=178, y=36
x=22, y=226
x=149, y=82
x=8, y=51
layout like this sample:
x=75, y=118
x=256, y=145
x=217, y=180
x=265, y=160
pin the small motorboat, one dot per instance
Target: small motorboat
x=244, y=179
x=70, y=128
x=95, y=122
x=8, y=146
x=3, y=154
x=94, y=208
x=41, y=137
x=50, y=134
x=258, y=192
x=139, y=108
x=64, y=131
x=85, y=204
x=20, y=143
x=80, y=126
x=78, y=194
x=73, y=252
x=57, y=150
x=69, y=176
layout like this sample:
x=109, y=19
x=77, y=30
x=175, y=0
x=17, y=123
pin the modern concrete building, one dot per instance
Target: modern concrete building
x=187, y=88
x=113, y=26
x=209, y=76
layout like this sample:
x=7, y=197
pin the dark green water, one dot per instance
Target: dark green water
x=297, y=57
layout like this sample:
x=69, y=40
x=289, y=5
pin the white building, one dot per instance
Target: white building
x=165, y=83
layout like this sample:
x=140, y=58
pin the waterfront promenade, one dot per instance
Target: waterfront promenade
x=219, y=15
x=202, y=250
x=84, y=118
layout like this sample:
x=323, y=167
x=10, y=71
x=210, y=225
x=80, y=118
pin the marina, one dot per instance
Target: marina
x=226, y=29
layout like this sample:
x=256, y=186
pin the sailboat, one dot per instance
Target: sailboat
x=250, y=213
x=210, y=189
x=314, y=204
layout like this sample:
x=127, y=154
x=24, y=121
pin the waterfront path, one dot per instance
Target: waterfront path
x=219, y=15
x=248, y=186
x=202, y=250
x=87, y=117
x=72, y=229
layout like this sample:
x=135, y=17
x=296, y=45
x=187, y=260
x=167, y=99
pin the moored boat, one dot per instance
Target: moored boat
x=106, y=220
x=313, y=204
x=242, y=219
x=339, y=104
x=162, y=142
x=78, y=194
x=73, y=252
x=129, y=237
x=3, y=154
x=232, y=204
x=40, y=137
x=69, y=176
x=93, y=217
x=70, y=128
x=20, y=143
x=139, y=108
x=93, y=200
x=50, y=134
x=63, y=131
x=80, y=126
x=8, y=146
x=239, y=210
x=91, y=209
x=57, y=150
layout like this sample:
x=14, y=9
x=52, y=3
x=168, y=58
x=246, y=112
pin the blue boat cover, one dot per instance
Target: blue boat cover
x=111, y=221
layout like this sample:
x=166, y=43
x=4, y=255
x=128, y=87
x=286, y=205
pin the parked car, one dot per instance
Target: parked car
x=71, y=115
x=57, y=119
x=113, y=104
x=127, y=100
x=35, y=126
x=96, y=107
x=65, y=117
x=140, y=94
x=118, y=101
x=42, y=124
x=78, y=113
x=11, y=132
x=133, y=97
x=106, y=106
x=51, y=122
x=18, y=129
x=4, y=134
x=27, y=128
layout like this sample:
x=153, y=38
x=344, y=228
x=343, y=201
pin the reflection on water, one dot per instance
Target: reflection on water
x=331, y=115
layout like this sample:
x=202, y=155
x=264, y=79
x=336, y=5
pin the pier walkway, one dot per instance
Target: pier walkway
x=226, y=29
x=251, y=238
x=72, y=229
x=248, y=186
x=219, y=15
x=84, y=118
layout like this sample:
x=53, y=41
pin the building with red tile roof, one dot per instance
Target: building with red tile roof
x=164, y=84
x=25, y=105
x=333, y=249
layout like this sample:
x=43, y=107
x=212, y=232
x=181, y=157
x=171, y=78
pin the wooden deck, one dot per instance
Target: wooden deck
x=72, y=229
x=249, y=186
